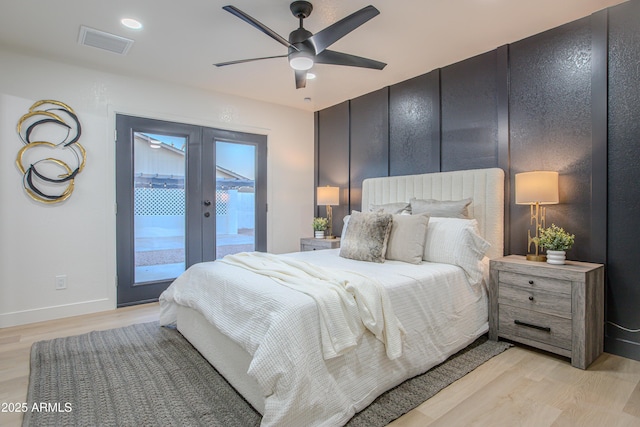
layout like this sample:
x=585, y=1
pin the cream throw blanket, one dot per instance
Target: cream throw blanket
x=347, y=302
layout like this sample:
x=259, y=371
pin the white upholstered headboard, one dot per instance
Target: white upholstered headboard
x=484, y=186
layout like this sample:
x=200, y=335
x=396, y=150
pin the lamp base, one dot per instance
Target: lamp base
x=537, y=258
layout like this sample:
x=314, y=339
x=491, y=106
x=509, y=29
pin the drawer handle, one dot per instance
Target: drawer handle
x=529, y=325
x=531, y=282
x=531, y=298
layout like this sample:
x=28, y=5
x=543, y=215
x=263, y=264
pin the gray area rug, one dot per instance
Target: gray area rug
x=146, y=375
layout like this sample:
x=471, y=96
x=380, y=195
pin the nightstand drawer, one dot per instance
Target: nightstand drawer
x=535, y=300
x=515, y=322
x=527, y=281
x=306, y=247
x=313, y=244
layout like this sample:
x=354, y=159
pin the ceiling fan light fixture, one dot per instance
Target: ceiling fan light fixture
x=301, y=61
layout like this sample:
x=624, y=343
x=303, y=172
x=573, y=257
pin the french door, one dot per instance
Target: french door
x=185, y=194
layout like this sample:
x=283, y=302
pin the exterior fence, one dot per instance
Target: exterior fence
x=160, y=212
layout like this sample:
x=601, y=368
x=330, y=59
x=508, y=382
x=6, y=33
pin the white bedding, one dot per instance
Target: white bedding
x=347, y=302
x=279, y=327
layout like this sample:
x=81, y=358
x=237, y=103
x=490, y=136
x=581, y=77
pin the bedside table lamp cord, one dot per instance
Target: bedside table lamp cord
x=623, y=328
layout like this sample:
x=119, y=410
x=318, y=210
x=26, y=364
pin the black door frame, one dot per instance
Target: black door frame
x=200, y=229
x=208, y=151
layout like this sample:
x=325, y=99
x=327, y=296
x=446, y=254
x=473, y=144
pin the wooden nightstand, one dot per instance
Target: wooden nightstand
x=312, y=244
x=557, y=308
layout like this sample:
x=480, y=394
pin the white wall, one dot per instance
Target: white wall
x=77, y=237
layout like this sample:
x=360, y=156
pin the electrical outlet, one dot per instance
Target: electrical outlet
x=61, y=282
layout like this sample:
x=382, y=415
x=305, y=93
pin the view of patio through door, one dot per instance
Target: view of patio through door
x=159, y=206
x=185, y=194
x=235, y=198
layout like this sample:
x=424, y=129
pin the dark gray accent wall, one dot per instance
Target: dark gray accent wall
x=369, y=141
x=332, y=158
x=469, y=114
x=504, y=161
x=599, y=105
x=550, y=124
x=623, y=233
x=567, y=100
x=414, y=125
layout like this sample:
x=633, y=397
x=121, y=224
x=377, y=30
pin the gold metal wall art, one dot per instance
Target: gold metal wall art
x=51, y=156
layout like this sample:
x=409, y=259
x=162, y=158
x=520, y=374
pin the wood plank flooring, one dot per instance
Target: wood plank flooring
x=520, y=387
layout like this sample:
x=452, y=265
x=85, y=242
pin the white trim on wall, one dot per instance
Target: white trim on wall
x=55, y=312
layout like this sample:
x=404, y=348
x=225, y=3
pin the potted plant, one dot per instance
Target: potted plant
x=319, y=226
x=556, y=241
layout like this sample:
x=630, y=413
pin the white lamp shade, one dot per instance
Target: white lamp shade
x=537, y=187
x=328, y=196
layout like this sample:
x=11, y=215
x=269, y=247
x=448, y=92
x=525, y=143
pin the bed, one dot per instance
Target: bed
x=267, y=341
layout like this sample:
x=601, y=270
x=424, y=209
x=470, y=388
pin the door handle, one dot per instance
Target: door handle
x=207, y=202
x=207, y=214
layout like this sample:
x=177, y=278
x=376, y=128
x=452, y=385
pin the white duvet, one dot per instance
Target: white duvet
x=347, y=302
x=280, y=327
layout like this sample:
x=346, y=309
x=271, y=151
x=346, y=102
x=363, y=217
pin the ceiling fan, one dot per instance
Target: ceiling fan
x=307, y=49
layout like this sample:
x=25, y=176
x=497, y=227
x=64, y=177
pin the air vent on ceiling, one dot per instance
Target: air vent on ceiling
x=105, y=41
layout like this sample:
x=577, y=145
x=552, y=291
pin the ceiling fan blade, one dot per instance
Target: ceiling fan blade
x=241, y=61
x=338, y=58
x=257, y=24
x=335, y=32
x=301, y=79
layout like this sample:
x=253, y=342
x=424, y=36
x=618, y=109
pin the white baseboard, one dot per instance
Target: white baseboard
x=44, y=314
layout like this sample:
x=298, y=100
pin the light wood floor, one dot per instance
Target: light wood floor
x=520, y=387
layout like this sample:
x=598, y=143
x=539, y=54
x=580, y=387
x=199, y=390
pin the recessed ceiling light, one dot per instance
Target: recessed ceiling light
x=311, y=76
x=131, y=23
x=307, y=99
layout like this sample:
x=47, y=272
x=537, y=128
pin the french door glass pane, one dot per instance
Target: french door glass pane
x=235, y=198
x=159, y=206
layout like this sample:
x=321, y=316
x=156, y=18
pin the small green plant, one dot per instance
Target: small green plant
x=554, y=238
x=320, y=224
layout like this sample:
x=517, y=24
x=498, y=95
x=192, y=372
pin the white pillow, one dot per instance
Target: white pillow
x=345, y=222
x=407, y=238
x=456, y=241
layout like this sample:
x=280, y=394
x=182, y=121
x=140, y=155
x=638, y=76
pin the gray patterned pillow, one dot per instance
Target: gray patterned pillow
x=441, y=208
x=366, y=236
x=392, y=208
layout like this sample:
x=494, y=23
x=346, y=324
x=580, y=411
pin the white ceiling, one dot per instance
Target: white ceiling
x=182, y=39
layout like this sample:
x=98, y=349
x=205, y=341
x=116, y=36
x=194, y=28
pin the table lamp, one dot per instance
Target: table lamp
x=534, y=189
x=329, y=196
